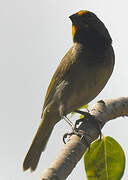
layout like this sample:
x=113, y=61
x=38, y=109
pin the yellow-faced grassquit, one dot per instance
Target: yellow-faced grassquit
x=79, y=78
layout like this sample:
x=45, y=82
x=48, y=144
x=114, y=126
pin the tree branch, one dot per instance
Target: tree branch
x=72, y=152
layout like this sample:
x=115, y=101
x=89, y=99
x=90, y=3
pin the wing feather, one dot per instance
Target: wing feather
x=61, y=71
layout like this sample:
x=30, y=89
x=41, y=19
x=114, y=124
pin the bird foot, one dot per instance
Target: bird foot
x=90, y=118
x=82, y=134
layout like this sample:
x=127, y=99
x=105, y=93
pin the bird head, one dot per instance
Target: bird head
x=88, y=28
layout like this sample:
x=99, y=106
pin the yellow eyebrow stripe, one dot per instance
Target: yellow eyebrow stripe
x=80, y=13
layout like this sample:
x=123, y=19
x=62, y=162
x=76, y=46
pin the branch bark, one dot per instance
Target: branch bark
x=72, y=152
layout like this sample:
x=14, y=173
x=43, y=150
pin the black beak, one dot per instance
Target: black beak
x=73, y=17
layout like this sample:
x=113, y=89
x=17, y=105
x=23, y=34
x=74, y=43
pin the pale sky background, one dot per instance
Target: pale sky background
x=34, y=36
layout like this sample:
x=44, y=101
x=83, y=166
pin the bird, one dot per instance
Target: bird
x=81, y=75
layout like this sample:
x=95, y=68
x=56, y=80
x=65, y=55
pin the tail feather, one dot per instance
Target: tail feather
x=32, y=157
x=39, y=143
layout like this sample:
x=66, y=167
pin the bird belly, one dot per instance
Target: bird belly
x=85, y=87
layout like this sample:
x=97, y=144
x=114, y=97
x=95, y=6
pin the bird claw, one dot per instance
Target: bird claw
x=91, y=118
x=82, y=134
x=66, y=135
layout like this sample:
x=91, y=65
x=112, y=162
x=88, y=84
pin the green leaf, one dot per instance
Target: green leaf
x=105, y=160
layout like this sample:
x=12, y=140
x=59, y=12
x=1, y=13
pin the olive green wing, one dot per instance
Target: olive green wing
x=62, y=69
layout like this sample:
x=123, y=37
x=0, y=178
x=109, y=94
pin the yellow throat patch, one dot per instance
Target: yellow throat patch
x=74, y=28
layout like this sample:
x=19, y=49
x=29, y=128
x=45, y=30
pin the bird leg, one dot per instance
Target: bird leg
x=69, y=122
